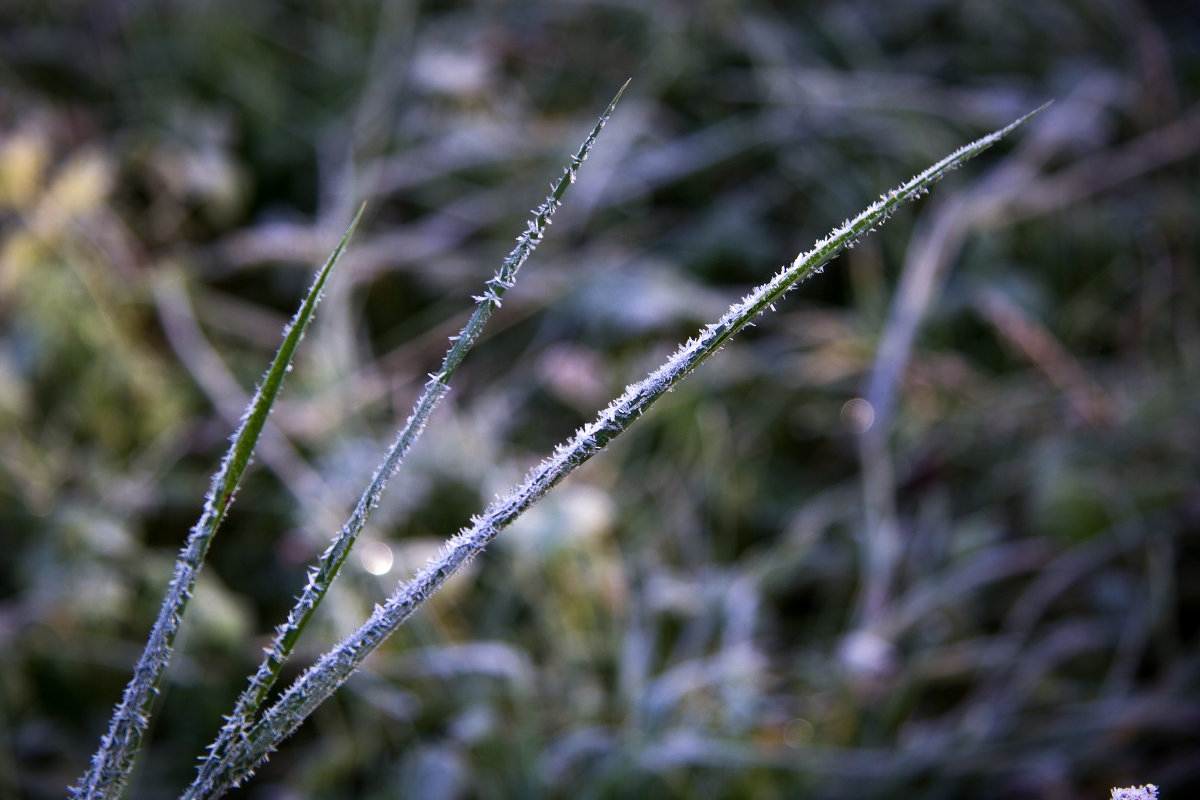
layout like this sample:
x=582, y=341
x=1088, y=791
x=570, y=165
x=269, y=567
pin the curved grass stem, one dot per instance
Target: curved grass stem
x=315, y=685
x=323, y=573
x=113, y=761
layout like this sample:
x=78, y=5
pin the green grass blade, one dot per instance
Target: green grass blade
x=322, y=575
x=112, y=762
x=323, y=678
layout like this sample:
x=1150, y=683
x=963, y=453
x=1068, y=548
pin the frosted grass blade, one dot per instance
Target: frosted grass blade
x=322, y=575
x=316, y=684
x=113, y=761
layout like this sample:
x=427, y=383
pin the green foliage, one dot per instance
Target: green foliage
x=687, y=615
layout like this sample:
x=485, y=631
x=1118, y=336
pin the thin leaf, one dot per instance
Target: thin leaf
x=316, y=684
x=322, y=574
x=113, y=761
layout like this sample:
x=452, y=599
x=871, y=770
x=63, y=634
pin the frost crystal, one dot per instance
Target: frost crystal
x=1147, y=792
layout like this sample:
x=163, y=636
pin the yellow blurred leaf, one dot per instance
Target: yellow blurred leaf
x=81, y=185
x=20, y=253
x=23, y=160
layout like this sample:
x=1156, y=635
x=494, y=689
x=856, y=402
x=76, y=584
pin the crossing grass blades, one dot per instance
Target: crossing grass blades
x=254, y=729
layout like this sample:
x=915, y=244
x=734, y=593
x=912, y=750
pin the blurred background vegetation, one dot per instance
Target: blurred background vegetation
x=931, y=530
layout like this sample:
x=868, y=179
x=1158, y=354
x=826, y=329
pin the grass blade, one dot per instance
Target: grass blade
x=335, y=667
x=322, y=575
x=113, y=761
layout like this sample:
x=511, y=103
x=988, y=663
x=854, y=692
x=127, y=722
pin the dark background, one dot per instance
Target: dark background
x=992, y=592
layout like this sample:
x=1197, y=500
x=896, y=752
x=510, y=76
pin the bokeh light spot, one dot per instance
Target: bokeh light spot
x=376, y=558
x=858, y=415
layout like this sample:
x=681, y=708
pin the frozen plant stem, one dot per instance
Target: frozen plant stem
x=321, y=575
x=316, y=684
x=113, y=761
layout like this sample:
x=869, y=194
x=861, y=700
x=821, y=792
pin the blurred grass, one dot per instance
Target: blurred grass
x=686, y=617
